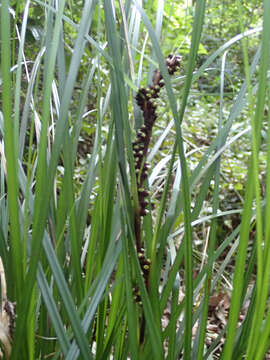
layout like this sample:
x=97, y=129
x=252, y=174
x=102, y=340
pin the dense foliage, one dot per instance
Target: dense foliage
x=134, y=179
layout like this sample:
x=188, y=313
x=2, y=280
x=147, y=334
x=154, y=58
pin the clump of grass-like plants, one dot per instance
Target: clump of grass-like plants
x=102, y=265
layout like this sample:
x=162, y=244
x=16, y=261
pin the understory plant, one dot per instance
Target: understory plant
x=100, y=255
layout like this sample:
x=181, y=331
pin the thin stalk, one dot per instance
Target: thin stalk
x=16, y=253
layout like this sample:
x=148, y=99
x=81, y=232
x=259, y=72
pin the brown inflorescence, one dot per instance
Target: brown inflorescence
x=146, y=100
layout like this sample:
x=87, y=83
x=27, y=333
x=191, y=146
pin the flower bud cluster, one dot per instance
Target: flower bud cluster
x=147, y=99
x=144, y=262
x=173, y=63
x=136, y=295
x=145, y=267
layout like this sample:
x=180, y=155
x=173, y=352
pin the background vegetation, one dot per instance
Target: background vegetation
x=76, y=283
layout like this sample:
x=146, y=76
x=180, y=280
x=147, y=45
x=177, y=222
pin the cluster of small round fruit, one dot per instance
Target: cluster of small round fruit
x=146, y=99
